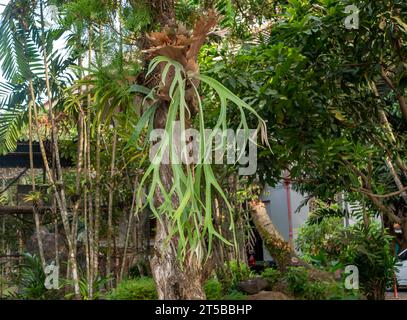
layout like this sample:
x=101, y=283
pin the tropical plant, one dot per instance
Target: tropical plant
x=213, y=289
x=272, y=276
x=186, y=221
x=134, y=289
x=369, y=248
x=97, y=290
x=31, y=280
x=335, y=107
x=321, y=243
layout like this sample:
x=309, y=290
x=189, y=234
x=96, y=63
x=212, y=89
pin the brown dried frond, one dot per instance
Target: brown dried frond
x=158, y=38
x=182, y=46
x=205, y=23
x=202, y=27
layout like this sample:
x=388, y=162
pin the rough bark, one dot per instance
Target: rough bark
x=279, y=249
x=110, y=206
x=172, y=281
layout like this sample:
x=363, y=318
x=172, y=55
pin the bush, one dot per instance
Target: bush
x=213, y=289
x=321, y=243
x=30, y=281
x=301, y=286
x=369, y=248
x=272, y=276
x=135, y=289
x=235, y=295
x=297, y=280
x=232, y=273
x=239, y=272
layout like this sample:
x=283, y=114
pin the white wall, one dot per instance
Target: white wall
x=276, y=203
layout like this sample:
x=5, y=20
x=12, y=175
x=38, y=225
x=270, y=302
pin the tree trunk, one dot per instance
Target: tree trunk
x=173, y=281
x=110, y=208
x=35, y=205
x=58, y=190
x=281, y=251
x=90, y=185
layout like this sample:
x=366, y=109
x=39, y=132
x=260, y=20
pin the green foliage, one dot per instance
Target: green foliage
x=232, y=273
x=134, y=289
x=33, y=196
x=137, y=16
x=367, y=247
x=31, y=281
x=21, y=42
x=213, y=289
x=97, y=291
x=328, y=291
x=321, y=243
x=238, y=271
x=235, y=295
x=188, y=11
x=193, y=186
x=301, y=286
x=86, y=11
x=324, y=211
x=226, y=10
x=297, y=280
x=272, y=276
x=312, y=79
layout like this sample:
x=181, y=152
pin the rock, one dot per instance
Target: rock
x=269, y=295
x=252, y=286
x=318, y=275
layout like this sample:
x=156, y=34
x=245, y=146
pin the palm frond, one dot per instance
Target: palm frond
x=13, y=114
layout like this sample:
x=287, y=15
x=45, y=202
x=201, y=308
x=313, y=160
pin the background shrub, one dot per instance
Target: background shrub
x=213, y=289
x=297, y=280
x=272, y=276
x=135, y=289
x=235, y=295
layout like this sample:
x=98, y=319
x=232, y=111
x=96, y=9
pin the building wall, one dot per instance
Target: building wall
x=277, y=203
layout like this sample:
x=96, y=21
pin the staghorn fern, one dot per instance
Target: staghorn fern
x=193, y=185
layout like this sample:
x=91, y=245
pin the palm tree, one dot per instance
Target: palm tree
x=29, y=63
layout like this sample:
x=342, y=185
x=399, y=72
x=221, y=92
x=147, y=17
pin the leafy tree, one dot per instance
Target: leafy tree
x=333, y=99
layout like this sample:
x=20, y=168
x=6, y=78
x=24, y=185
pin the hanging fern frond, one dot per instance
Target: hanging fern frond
x=194, y=186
